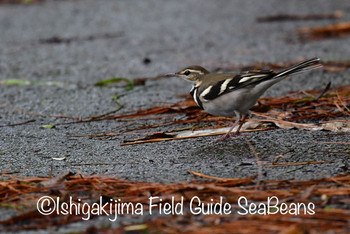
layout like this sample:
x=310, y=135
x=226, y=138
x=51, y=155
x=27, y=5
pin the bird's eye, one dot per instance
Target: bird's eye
x=187, y=72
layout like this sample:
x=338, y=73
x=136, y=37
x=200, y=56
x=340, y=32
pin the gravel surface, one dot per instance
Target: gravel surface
x=97, y=40
x=106, y=39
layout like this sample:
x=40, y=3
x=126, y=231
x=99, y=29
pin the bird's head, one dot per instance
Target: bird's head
x=191, y=73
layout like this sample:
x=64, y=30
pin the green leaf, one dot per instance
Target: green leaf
x=329, y=208
x=28, y=82
x=48, y=126
x=299, y=168
x=16, y=82
x=137, y=227
x=49, y=83
x=116, y=80
x=303, y=100
x=8, y=206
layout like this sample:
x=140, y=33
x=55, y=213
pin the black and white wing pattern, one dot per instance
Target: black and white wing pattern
x=248, y=80
x=239, y=81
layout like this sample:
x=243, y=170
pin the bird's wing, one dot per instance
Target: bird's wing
x=230, y=83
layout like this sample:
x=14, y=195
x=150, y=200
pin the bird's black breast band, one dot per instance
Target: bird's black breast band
x=194, y=94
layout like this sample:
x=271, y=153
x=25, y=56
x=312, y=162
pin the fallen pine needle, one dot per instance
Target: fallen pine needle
x=330, y=31
x=328, y=195
x=258, y=162
x=289, y=17
x=296, y=163
x=243, y=180
x=329, y=142
x=16, y=124
x=194, y=134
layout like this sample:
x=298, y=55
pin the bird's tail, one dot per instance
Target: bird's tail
x=301, y=67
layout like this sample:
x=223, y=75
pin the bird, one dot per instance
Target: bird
x=232, y=95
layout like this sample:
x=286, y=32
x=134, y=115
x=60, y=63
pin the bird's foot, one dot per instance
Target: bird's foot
x=224, y=137
x=228, y=135
x=237, y=134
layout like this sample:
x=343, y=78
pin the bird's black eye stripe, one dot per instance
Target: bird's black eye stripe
x=187, y=72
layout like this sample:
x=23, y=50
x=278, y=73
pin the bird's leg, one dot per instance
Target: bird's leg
x=227, y=135
x=244, y=117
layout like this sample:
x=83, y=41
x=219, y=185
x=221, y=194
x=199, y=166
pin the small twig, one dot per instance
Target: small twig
x=329, y=142
x=286, y=17
x=340, y=109
x=259, y=178
x=296, y=169
x=214, y=178
x=334, y=179
x=16, y=124
x=67, y=40
x=98, y=164
x=343, y=104
x=120, y=106
x=39, y=114
x=278, y=157
x=333, y=152
x=296, y=164
x=330, y=31
x=307, y=192
x=51, y=171
x=323, y=92
x=7, y=166
x=144, y=140
x=9, y=173
x=337, y=120
x=80, y=174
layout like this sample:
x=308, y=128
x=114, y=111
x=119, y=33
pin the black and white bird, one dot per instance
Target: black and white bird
x=229, y=95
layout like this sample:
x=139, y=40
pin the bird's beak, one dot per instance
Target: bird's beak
x=172, y=75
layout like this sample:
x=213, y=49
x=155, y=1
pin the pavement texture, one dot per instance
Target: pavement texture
x=75, y=44
x=97, y=40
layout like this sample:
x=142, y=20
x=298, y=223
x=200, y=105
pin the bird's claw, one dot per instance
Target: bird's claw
x=228, y=135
